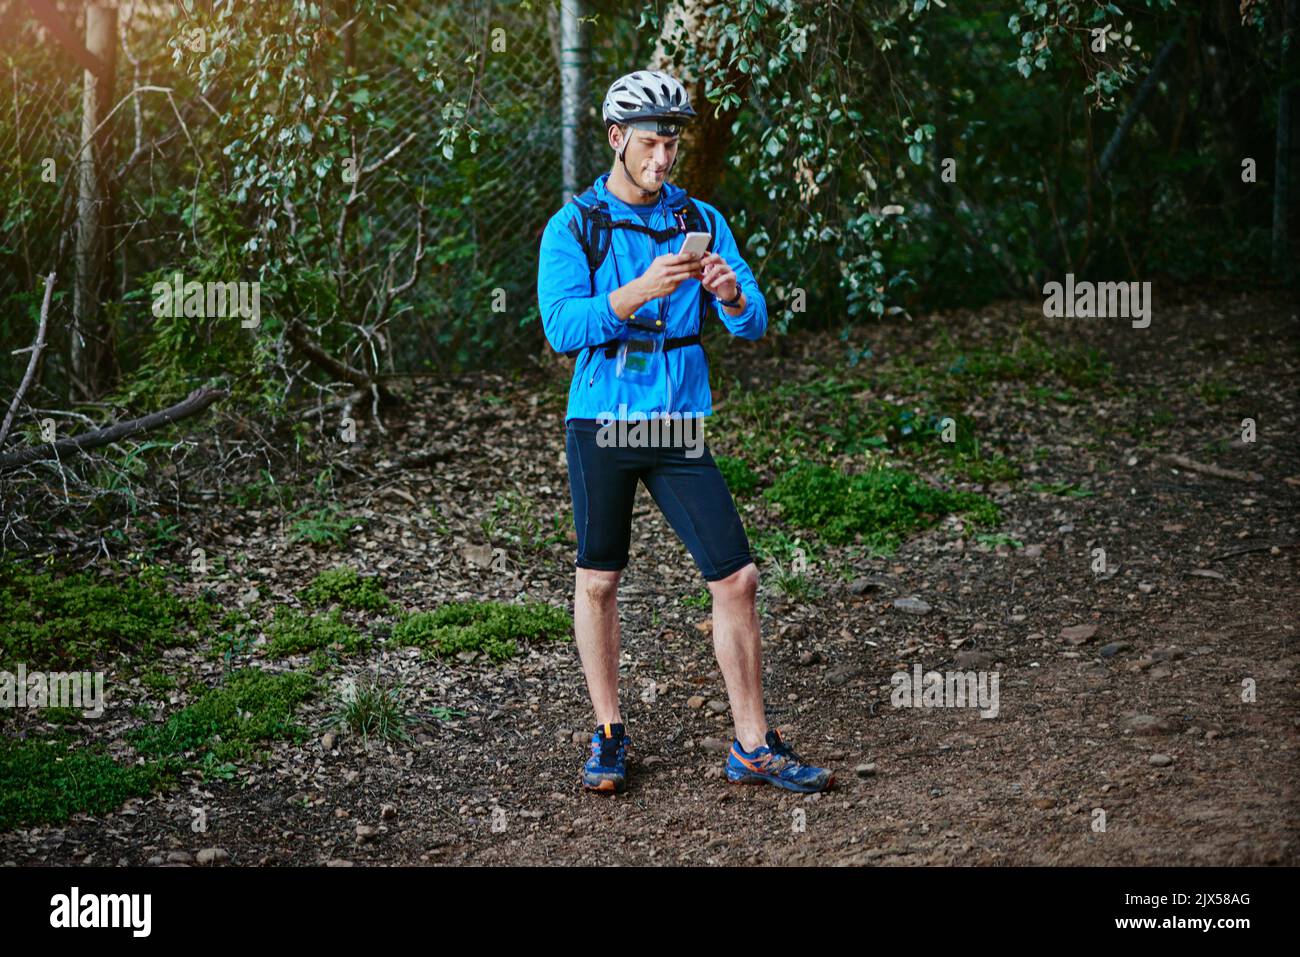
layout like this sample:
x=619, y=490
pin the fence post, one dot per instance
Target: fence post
x=89, y=358
x=573, y=93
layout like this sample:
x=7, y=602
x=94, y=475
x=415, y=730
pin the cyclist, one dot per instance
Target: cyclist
x=632, y=315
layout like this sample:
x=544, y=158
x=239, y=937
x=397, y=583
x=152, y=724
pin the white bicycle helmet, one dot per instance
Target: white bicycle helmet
x=648, y=95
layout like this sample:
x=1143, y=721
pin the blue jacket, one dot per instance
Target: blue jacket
x=573, y=318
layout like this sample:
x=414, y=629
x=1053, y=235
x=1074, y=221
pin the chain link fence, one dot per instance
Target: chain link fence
x=486, y=193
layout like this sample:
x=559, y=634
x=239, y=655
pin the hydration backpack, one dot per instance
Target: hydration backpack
x=593, y=229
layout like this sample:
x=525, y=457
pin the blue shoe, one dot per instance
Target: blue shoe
x=776, y=764
x=606, y=769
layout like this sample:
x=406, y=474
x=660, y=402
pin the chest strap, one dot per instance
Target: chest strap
x=638, y=345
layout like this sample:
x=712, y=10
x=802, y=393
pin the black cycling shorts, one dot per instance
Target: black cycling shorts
x=690, y=491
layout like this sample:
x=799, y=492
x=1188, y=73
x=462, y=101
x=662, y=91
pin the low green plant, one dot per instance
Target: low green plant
x=493, y=628
x=346, y=587
x=294, y=632
x=232, y=721
x=879, y=507
x=46, y=780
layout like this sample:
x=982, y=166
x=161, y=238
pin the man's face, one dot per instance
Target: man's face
x=649, y=157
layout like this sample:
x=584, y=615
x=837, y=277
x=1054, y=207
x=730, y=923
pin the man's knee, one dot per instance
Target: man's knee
x=598, y=586
x=740, y=584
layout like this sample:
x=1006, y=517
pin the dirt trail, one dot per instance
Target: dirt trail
x=1182, y=617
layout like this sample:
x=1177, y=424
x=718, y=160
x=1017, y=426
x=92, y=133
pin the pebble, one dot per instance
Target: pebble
x=1160, y=760
x=1113, y=648
x=865, y=770
x=1033, y=551
x=1145, y=724
x=1146, y=588
x=695, y=702
x=328, y=740
x=213, y=855
x=715, y=744
x=366, y=832
x=809, y=657
x=912, y=606
x=1078, y=634
x=180, y=857
x=976, y=660
x=716, y=706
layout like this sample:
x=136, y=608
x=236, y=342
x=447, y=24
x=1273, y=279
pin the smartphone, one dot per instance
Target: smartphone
x=696, y=243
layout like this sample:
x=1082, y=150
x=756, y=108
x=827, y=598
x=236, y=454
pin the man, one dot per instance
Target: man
x=633, y=319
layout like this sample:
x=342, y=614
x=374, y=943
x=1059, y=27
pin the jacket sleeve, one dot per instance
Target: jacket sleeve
x=751, y=323
x=571, y=317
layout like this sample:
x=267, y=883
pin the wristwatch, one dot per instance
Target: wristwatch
x=731, y=302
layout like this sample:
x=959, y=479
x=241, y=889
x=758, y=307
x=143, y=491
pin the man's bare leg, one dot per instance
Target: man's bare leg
x=596, y=630
x=739, y=650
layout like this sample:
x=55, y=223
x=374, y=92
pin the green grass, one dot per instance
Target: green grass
x=293, y=632
x=325, y=526
x=702, y=599
x=231, y=722
x=345, y=587
x=493, y=628
x=516, y=519
x=777, y=545
x=47, y=780
x=740, y=478
x=998, y=538
x=374, y=709
x=880, y=507
x=76, y=620
x=262, y=491
x=792, y=584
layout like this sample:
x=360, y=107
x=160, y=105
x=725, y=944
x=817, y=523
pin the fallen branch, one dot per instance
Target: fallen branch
x=1253, y=548
x=36, y=349
x=340, y=370
x=1183, y=462
x=194, y=403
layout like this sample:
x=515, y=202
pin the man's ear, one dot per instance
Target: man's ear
x=610, y=136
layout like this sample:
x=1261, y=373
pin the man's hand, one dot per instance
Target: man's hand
x=667, y=272
x=718, y=277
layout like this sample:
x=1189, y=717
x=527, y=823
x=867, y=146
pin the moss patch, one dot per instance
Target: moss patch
x=345, y=587
x=490, y=627
x=47, y=780
x=881, y=506
x=82, y=619
x=230, y=722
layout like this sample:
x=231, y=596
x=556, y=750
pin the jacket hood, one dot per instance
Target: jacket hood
x=670, y=193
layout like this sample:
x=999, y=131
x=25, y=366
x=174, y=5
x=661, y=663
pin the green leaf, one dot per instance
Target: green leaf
x=917, y=153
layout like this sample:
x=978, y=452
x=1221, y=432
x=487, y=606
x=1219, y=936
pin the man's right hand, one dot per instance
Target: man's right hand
x=669, y=271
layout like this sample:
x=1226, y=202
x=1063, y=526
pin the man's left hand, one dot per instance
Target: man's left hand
x=718, y=277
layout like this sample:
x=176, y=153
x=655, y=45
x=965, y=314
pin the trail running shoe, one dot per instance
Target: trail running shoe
x=776, y=764
x=606, y=769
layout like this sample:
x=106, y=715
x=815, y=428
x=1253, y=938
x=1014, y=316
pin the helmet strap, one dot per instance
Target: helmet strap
x=648, y=193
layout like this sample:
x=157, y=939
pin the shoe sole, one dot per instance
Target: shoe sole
x=787, y=785
x=605, y=786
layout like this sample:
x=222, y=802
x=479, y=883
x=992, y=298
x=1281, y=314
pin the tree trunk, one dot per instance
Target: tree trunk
x=707, y=138
x=90, y=358
x=1282, y=265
